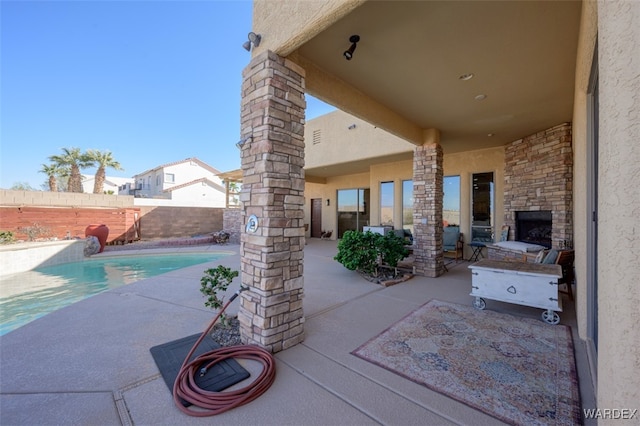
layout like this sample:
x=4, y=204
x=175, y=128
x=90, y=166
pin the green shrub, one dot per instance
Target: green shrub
x=6, y=237
x=216, y=280
x=36, y=231
x=365, y=251
x=393, y=249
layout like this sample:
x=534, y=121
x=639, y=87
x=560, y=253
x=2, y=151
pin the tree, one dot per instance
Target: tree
x=22, y=186
x=74, y=161
x=234, y=190
x=54, y=172
x=102, y=159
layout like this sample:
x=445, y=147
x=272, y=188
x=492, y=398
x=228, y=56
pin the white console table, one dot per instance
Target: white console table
x=529, y=284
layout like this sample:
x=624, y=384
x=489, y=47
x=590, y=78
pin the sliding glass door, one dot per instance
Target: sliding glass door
x=451, y=201
x=407, y=205
x=482, y=219
x=352, y=210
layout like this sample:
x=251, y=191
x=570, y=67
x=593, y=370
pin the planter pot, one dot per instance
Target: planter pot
x=101, y=232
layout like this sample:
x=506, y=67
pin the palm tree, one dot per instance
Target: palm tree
x=102, y=159
x=74, y=161
x=234, y=190
x=54, y=171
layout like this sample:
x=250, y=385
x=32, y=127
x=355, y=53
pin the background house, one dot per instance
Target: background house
x=189, y=182
x=112, y=184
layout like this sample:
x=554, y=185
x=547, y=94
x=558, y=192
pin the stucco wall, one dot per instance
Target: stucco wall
x=619, y=204
x=462, y=164
x=304, y=20
x=358, y=140
x=329, y=191
x=465, y=164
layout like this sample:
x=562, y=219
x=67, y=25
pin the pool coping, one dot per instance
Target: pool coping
x=163, y=250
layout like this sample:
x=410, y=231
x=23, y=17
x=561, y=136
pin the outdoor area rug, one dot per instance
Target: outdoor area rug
x=519, y=370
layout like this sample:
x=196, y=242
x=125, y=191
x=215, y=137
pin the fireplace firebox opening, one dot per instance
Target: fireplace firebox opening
x=534, y=227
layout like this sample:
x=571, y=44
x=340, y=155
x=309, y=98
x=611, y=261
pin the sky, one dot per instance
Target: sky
x=151, y=81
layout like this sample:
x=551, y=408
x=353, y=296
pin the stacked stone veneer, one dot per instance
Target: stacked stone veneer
x=500, y=253
x=273, y=182
x=232, y=223
x=539, y=176
x=427, y=210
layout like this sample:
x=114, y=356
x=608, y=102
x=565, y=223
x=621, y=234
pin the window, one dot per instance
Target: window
x=407, y=205
x=169, y=177
x=482, y=207
x=451, y=201
x=158, y=180
x=352, y=210
x=386, y=203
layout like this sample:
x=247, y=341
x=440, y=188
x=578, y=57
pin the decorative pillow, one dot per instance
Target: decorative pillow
x=551, y=257
x=539, y=256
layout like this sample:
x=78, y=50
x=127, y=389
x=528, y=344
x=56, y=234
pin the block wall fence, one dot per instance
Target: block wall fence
x=68, y=214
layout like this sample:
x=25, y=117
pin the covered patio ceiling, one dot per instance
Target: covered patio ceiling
x=407, y=71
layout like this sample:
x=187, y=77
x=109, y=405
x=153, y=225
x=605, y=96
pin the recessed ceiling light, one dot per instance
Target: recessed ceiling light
x=481, y=97
x=465, y=77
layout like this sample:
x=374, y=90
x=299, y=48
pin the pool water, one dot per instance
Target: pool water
x=29, y=295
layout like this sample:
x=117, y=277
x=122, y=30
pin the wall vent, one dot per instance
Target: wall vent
x=317, y=136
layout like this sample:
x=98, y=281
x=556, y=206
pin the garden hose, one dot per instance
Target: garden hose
x=212, y=403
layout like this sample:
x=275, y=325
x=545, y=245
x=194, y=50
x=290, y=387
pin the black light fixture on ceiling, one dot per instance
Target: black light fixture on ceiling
x=254, y=41
x=348, y=54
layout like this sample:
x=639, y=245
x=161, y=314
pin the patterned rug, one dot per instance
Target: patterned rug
x=519, y=370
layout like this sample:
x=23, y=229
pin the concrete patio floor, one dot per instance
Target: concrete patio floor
x=89, y=363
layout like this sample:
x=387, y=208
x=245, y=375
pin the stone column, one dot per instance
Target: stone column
x=427, y=209
x=272, y=128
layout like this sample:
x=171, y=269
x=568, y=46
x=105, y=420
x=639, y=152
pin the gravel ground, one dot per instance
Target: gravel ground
x=227, y=335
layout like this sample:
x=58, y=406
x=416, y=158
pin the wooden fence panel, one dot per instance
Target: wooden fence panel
x=123, y=223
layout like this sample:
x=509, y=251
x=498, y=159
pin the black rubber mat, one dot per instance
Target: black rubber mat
x=170, y=356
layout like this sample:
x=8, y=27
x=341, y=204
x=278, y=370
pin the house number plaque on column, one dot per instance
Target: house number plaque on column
x=252, y=224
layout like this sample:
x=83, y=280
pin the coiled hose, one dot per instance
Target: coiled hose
x=212, y=403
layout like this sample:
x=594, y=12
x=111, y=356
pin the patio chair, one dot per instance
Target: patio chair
x=565, y=259
x=453, y=242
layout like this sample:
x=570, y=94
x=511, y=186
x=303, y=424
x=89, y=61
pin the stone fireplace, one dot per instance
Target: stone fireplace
x=534, y=227
x=538, y=188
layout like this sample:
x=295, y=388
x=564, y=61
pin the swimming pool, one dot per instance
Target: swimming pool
x=29, y=295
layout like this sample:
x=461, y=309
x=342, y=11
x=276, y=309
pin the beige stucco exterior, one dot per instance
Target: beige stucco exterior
x=339, y=151
x=584, y=59
x=354, y=139
x=618, y=203
x=616, y=27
